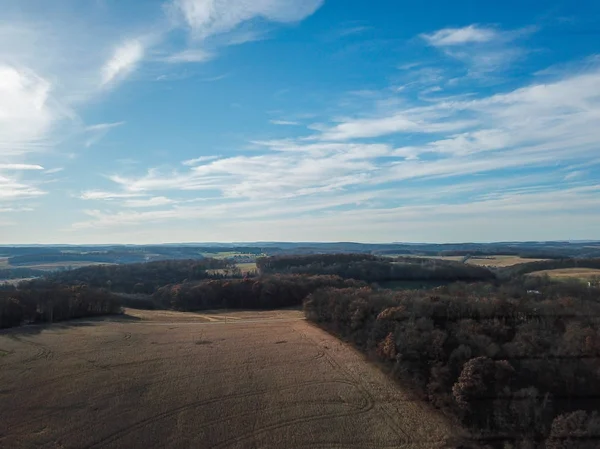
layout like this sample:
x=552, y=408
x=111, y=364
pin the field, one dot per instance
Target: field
x=247, y=267
x=54, y=266
x=584, y=274
x=499, y=261
x=219, y=380
x=454, y=258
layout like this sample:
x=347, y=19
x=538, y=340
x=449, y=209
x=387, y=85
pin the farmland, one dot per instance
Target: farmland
x=213, y=379
x=247, y=267
x=499, y=261
x=494, y=260
x=583, y=274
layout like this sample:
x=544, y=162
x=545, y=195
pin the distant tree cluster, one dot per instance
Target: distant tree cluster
x=142, y=277
x=18, y=273
x=514, y=366
x=369, y=268
x=267, y=292
x=54, y=303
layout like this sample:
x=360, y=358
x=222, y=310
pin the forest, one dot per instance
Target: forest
x=516, y=368
x=370, y=268
x=54, y=303
x=141, y=277
x=268, y=292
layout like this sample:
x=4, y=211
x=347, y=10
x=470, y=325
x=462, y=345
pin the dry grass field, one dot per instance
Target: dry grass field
x=585, y=274
x=499, y=261
x=247, y=267
x=158, y=379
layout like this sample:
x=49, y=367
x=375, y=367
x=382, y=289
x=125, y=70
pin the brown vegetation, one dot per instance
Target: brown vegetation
x=171, y=380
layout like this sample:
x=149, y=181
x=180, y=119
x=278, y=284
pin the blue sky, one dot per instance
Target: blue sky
x=281, y=120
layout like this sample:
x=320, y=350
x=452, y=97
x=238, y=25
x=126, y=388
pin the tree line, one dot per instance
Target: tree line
x=141, y=277
x=370, y=268
x=268, y=292
x=18, y=273
x=54, y=303
x=517, y=368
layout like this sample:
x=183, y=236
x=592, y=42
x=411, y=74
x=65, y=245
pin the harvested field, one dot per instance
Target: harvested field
x=570, y=273
x=55, y=266
x=499, y=261
x=247, y=267
x=218, y=380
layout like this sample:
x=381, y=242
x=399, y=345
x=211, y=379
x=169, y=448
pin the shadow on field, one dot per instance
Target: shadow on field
x=37, y=328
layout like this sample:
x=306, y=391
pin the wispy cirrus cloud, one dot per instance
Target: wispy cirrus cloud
x=190, y=55
x=484, y=49
x=12, y=189
x=103, y=195
x=284, y=122
x=448, y=37
x=334, y=173
x=13, y=167
x=210, y=17
x=98, y=131
x=149, y=202
x=123, y=61
x=199, y=160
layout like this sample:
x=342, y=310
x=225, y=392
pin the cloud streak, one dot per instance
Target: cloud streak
x=210, y=17
x=339, y=172
x=123, y=61
x=448, y=37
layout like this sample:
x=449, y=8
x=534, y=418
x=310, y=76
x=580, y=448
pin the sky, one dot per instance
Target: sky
x=286, y=120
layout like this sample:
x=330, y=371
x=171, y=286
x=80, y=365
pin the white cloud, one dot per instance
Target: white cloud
x=26, y=111
x=483, y=49
x=283, y=122
x=13, y=167
x=199, y=160
x=103, y=126
x=98, y=131
x=150, y=202
x=190, y=55
x=210, y=17
x=123, y=61
x=459, y=36
x=54, y=170
x=13, y=189
x=332, y=179
x=101, y=195
x=416, y=121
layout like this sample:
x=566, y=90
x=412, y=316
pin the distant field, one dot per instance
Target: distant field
x=499, y=261
x=455, y=258
x=53, y=266
x=490, y=261
x=14, y=281
x=226, y=255
x=246, y=267
x=3, y=262
x=584, y=274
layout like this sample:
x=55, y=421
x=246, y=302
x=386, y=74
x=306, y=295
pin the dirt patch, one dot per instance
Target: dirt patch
x=184, y=380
